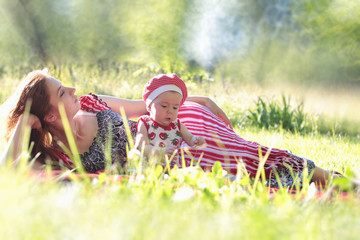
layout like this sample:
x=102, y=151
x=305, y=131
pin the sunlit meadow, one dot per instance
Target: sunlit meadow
x=285, y=72
x=191, y=203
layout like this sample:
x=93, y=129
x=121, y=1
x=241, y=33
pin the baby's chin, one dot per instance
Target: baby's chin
x=166, y=121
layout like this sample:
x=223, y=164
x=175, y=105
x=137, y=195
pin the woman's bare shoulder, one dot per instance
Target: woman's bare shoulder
x=87, y=129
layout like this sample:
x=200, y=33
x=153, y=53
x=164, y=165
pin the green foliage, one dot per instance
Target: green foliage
x=321, y=37
x=331, y=32
x=157, y=31
x=92, y=32
x=41, y=29
x=279, y=115
x=283, y=115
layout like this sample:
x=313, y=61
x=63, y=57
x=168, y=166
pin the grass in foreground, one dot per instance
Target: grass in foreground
x=181, y=205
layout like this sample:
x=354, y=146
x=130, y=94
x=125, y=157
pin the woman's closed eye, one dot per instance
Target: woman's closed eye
x=61, y=91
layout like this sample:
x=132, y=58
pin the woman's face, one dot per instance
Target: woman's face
x=61, y=94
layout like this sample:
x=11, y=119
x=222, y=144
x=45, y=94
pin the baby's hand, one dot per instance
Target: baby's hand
x=197, y=142
x=201, y=142
x=170, y=150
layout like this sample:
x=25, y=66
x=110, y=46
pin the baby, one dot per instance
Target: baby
x=161, y=131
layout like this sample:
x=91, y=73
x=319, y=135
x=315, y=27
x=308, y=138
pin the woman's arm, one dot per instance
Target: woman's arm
x=211, y=105
x=136, y=108
x=133, y=108
x=13, y=148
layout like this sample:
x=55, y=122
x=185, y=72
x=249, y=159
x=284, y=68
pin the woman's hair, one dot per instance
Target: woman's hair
x=34, y=91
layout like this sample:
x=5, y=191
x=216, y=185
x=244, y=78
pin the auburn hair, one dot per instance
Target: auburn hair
x=34, y=91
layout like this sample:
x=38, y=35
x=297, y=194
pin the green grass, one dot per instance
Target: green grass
x=46, y=210
x=181, y=205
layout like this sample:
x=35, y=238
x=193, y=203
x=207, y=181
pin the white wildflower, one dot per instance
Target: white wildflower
x=223, y=189
x=183, y=194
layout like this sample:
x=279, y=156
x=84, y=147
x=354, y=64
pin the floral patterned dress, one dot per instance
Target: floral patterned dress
x=164, y=136
x=111, y=127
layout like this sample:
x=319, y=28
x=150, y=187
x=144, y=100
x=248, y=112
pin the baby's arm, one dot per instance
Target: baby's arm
x=143, y=139
x=191, y=140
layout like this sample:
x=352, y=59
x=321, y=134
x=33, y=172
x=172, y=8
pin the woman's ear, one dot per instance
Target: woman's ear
x=49, y=118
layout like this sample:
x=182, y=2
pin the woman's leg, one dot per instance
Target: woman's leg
x=322, y=176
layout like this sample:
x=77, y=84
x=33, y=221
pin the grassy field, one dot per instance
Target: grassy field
x=193, y=204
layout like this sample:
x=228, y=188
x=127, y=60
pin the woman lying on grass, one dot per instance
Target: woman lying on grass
x=90, y=117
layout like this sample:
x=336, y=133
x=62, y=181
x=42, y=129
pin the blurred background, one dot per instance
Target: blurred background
x=233, y=51
x=249, y=41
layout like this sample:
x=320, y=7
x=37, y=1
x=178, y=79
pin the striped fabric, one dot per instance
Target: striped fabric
x=223, y=144
x=64, y=159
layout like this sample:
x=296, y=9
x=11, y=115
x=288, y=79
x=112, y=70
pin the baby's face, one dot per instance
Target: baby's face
x=165, y=107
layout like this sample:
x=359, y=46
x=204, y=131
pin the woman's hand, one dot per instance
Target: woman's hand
x=211, y=105
x=13, y=148
x=215, y=109
x=34, y=122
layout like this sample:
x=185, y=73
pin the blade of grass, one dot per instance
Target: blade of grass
x=72, y=144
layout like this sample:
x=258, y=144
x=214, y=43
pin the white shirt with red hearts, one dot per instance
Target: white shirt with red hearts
x=164, y=136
